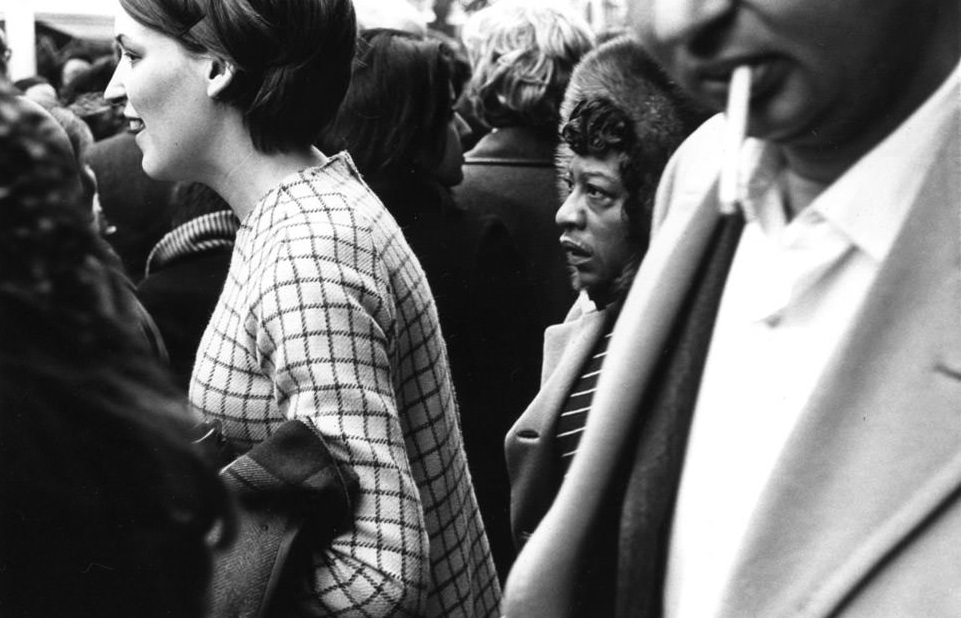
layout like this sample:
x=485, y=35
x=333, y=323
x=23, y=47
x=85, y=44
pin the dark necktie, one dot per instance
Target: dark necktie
x=663, y=425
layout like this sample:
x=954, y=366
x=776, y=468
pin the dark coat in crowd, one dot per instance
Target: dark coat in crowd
x=479, y=283
x=511, y=173
x=185, y=274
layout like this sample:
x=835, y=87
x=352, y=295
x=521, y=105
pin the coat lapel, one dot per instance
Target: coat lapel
x=566, y=347
x=877, y=450
x=529, y=443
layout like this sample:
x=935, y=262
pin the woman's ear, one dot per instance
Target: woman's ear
x=219, y=75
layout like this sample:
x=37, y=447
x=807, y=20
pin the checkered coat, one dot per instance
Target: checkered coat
x=326, y=317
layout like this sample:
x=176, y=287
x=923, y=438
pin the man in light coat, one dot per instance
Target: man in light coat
x=821, y=473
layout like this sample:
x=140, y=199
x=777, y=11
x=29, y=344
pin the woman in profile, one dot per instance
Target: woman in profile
x=326, y=319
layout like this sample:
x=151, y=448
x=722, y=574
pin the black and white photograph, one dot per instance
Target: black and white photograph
x=480, y=308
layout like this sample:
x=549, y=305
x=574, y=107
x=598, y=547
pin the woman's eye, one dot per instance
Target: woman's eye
x=129, y=55
x=595, y=192
x=598, y=197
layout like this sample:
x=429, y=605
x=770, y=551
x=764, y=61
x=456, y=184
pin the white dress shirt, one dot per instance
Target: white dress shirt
x=792, y=295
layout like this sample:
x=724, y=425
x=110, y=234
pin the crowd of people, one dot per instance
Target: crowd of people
x=311, y=310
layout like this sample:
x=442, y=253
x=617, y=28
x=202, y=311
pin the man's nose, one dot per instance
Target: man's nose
x=677, y=22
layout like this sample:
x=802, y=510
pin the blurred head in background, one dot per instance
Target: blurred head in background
x=398, y=115
x=522, y=53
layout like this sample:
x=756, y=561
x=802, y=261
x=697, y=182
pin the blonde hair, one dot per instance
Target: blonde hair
x=522, y=53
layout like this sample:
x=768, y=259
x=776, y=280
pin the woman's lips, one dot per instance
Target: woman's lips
x=134, y=125
x=576, y=252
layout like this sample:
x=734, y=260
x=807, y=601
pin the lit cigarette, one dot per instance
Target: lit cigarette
x=738, y=105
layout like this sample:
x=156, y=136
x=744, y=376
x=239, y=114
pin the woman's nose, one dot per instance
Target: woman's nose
x=570, y=214
x=115, y=90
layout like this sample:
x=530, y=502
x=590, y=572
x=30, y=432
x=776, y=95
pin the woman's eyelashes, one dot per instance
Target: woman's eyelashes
x=596, y=195
x=594, y=192
x=124, y=50
x=129, y=56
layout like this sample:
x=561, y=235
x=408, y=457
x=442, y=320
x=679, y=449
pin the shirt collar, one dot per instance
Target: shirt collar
x=870, y=201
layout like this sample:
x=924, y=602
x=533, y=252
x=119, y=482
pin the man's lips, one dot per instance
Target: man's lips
x=767, y=73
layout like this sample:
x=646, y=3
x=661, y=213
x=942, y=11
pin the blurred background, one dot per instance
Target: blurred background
x=45, y=35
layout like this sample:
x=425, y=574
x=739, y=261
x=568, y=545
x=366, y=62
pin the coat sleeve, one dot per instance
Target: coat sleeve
x=325, y=337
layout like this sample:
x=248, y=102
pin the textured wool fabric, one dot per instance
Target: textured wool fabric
x=326, y=317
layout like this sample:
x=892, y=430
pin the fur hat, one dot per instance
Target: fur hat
x=623, y=72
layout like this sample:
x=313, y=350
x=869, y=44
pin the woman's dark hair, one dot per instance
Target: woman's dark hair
x=81, y=138
x=460, y=69
x=49, y=252
x=291, y=58
x=395, y=115
x=105, y=508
